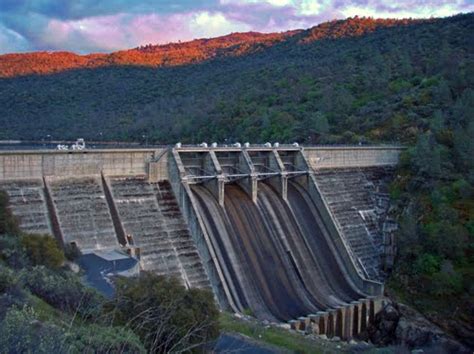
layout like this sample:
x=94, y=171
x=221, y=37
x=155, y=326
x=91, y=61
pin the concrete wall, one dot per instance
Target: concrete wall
x=153, y=162
x=36, y=164
x=188, y=209
x=352, y=156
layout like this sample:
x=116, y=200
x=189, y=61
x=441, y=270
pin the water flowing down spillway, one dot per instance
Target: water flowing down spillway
x=311, y=225
x=258, y=269
x=275, y=259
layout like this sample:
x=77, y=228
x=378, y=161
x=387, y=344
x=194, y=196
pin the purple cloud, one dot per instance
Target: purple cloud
x=105, y=25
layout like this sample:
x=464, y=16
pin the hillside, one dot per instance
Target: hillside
x=175, y=54
x=364, y=76
x=353, y=81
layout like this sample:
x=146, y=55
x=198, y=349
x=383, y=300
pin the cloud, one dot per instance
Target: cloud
x=408, y=8
x=105, y=25
x=11, y=41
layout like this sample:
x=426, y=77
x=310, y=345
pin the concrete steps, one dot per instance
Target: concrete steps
x=150, y=215
x=357, y=199
x=28, y=204
x=180, y=236
x=82, y=212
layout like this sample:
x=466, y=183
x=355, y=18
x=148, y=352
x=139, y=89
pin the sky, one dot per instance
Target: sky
x=85, y=26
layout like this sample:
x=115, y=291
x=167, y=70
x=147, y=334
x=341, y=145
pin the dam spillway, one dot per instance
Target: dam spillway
x=286, y=233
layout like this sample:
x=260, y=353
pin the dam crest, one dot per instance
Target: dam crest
x=286, y=233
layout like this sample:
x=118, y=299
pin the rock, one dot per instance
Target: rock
x=382, y=331
x=335, y=339
x=73, y=267
x=283, y=325
x=398, y=324
x=353, y=342
x=323, y=337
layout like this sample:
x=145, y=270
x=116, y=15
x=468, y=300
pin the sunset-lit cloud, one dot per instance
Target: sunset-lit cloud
x=87, y=26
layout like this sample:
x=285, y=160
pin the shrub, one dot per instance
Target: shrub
x=97, y=339
x=21, y=332
x=446, y=284
x=43, y=250
x=8, y=223
x=427, y=264
x=12, y=253
x=11, y=291
x=165, y=315
x=63, y=290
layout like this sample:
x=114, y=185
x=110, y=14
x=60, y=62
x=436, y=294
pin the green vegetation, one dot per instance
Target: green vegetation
x=173, y=320
x=45, y=308
x=43, y=250
x=275, y=336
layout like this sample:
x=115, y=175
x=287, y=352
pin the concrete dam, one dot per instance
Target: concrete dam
x=288, y=234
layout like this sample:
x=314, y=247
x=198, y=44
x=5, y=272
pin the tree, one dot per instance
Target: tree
x=427, y=157
x=321, y=124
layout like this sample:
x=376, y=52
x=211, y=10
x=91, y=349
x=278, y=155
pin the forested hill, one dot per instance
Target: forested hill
x=174, y=54
x=343, y=81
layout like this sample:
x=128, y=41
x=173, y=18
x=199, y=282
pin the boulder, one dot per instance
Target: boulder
x=398, y=324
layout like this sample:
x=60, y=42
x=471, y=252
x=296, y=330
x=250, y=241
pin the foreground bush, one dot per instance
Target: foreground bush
x=11, y=291
x=8, y=223
x=102, y=339
x=21, y=332
x=12, y=253
x=63, y=291
x=166, y=316
x=43, y=250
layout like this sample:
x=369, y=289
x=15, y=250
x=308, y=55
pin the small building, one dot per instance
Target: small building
x=101, y=266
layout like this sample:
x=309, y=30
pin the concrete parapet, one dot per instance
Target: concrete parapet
x=36, y=164
x=352, y=156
